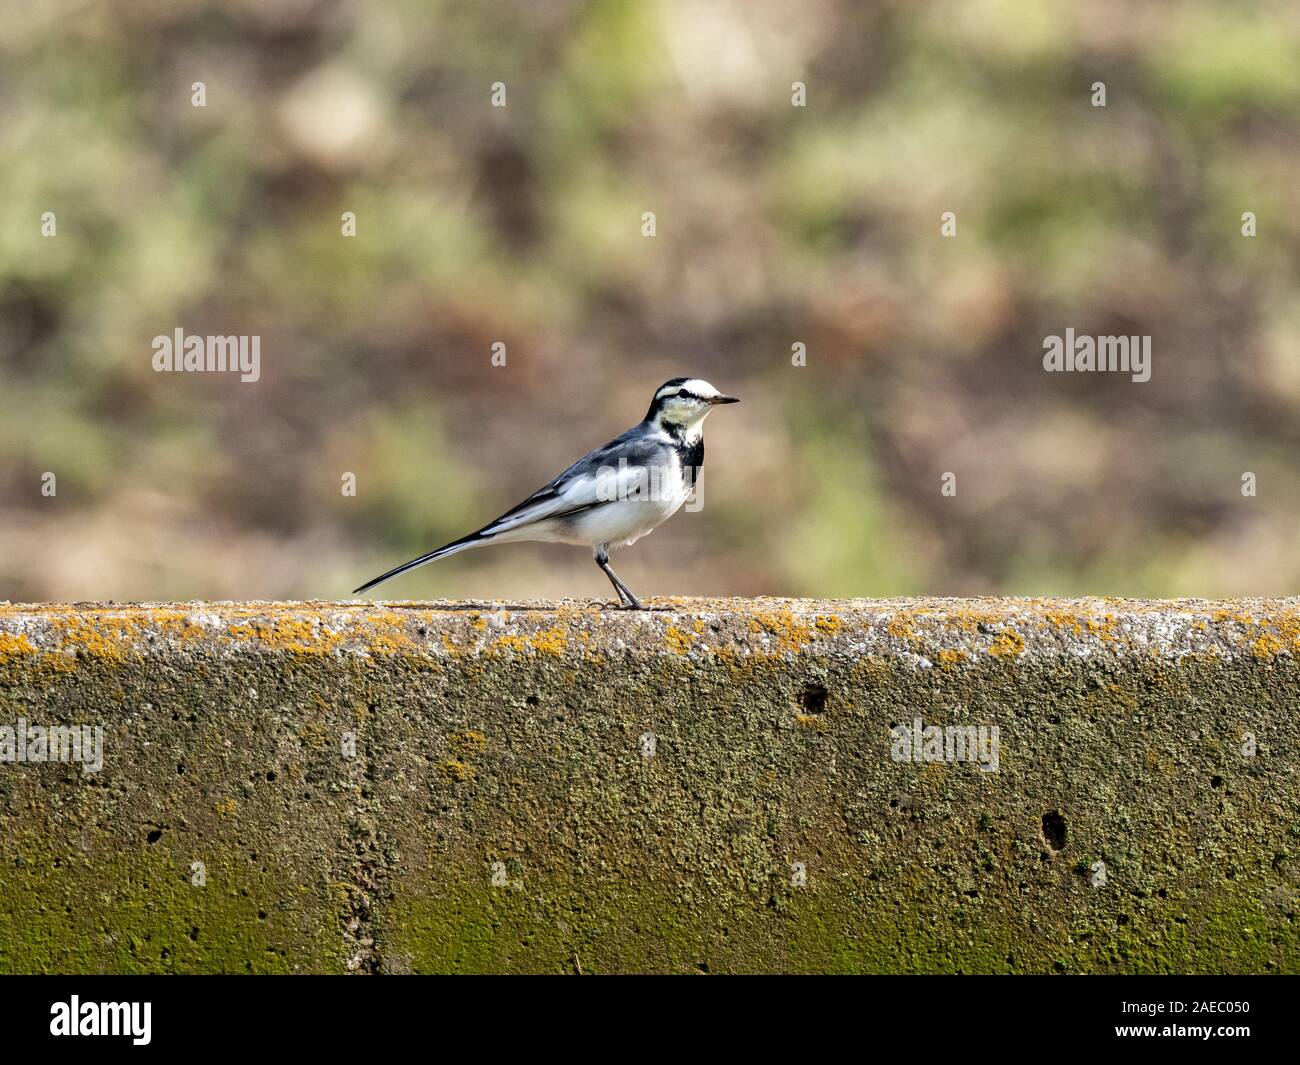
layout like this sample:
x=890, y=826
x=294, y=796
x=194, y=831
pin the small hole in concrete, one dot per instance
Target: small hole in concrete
x=1122, y=918
x=813, y=699
x=1216, y=781
x=154, y=836
x=194, y=934
x=180, y=769
x=532, y=700
x=270, y=774
x=1054, y=830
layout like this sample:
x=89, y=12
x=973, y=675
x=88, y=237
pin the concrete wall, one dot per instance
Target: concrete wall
x=710, y=786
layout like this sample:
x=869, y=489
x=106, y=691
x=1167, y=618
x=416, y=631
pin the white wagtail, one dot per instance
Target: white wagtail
x=613, y=495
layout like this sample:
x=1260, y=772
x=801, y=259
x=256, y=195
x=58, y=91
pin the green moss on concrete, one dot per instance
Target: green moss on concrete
x=141, y=912
x=558, y=929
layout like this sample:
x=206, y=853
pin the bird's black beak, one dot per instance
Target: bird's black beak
x=724, y=399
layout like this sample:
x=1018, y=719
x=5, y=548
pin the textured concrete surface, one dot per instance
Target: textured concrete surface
x=709, y=786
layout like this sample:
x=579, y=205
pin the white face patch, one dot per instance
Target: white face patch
x=687, y=405
x=680, y=411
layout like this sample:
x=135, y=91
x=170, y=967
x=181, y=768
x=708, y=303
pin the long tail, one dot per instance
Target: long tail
x=463, y=544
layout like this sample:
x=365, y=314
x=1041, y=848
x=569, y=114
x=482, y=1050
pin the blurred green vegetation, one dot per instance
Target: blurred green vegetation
x=775, y=224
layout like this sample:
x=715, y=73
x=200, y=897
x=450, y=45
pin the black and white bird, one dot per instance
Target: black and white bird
x=614, y=495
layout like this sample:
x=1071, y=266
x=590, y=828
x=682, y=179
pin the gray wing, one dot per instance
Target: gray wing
x=597, y=479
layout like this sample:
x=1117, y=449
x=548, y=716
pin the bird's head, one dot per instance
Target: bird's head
x=681, y=405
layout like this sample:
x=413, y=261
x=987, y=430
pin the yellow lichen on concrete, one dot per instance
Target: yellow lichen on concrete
x=1072, y=622
x=1007, y=643
x=1267, y=645
x=1103, y=628
x=679, y=640
x=791, y=631
x=60, y=638
x=969, y=619
x=59, y=662
x=456, y=770
x=106, y=637
x=548, y=642
x=900, y=627
x=1287, y=625
x=178, y=624
x=468, y=742
x=386, y=634
x=12, y=646
x=295, y=634
x=313, y=734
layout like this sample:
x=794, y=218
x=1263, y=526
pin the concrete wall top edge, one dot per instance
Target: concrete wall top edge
x=951, y=632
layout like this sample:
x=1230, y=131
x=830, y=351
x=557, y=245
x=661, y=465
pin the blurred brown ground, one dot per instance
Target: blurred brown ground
x=775, y=224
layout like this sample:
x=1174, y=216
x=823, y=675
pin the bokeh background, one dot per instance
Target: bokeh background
x=775, y=225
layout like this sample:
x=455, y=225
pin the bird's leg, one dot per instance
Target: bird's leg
x=625, y=596
x=629, y=600
x=602, y=560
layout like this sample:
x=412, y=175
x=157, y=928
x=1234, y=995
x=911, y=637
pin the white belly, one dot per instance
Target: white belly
x=636, y=505
x=618, y=522
x=624, y=521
